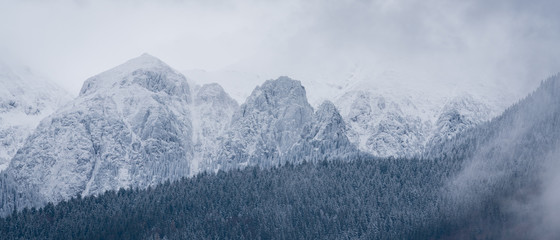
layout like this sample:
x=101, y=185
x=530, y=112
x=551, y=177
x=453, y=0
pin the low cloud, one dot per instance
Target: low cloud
x=509, y=43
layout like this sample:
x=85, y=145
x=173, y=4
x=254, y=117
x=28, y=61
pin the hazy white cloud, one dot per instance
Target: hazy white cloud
x=434, y=40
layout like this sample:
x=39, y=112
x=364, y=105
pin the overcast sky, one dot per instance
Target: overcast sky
x=515, y=43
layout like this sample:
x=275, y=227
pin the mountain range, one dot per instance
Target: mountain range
x=142, y=123
x=496, y=180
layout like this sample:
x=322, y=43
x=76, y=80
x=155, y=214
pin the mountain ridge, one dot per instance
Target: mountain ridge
x=139, y=124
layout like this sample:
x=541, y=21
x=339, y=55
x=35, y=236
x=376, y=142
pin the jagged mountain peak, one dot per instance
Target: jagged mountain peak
x=276, y=92
x=328, y=124
x=212, y=112
x=327, y=106
x=211, y=89
x=145, y=71
x=144, y=61
x=130, y=126
x=327, y=111
x=213, y=93
x=267, y=125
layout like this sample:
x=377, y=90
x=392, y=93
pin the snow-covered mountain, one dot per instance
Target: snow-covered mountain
x=403, y=126
x=140, y=124
x=212, y=112
x=458, y=115
x=381, y=126
x=390, y=114
x=277, y=124
x=130, y=126
x=324, y=138
x=25, y=99
x=387, y=113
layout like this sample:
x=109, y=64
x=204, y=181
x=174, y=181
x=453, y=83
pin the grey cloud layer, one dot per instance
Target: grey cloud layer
x=502, y=41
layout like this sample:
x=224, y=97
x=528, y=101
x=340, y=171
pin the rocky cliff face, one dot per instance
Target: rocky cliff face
x=380, y=126
x=276, y=125
x=267, y=125
x=390, y=126
x=130, y=127
x=212, y=112
x=324, y=138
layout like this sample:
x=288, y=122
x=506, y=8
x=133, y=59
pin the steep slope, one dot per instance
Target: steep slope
x=381, y=126
x=506, y=182
x=276, y=124
x=25, y=99
x=386, y=125
x=458, y=115
x=130, y=127
x=212, y=112
x=324, y=138
x=387, y=113
x=267, y=125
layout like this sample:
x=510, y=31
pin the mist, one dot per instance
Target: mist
x=540, y=212
x=509, y=44
x=507, y=187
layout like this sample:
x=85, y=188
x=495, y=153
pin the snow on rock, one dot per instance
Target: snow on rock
x=130, y=127
x=25, y=99
x=324, y=138
x=212, y=112
x=457, y=116
x=141, y=123
x=267, y=125
x=387, y=122
x=277, y=124
x=387, y=113
x=380, y=126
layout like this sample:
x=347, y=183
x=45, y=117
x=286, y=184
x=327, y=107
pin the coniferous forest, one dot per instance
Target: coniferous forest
x=362, y=199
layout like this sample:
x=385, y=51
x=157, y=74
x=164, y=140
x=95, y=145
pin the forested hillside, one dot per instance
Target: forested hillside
x=366, y=198
x=507, y=183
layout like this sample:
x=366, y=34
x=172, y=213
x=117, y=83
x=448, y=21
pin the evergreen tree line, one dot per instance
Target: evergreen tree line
x=362, y=199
